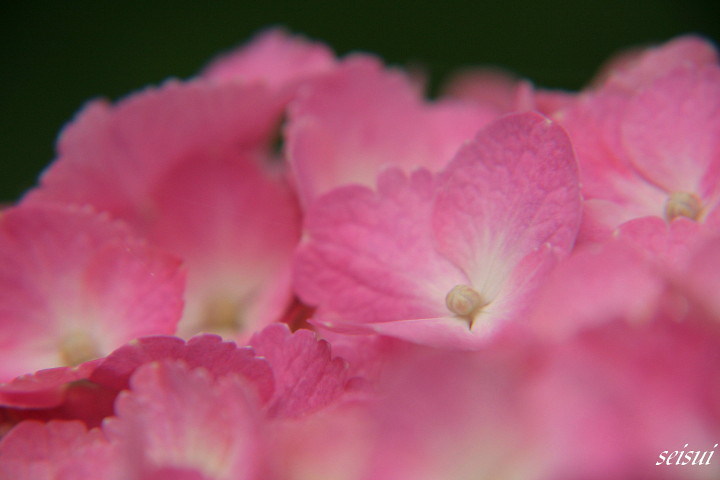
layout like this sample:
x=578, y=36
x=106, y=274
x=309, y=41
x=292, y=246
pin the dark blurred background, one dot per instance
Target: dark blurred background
x=57, y=55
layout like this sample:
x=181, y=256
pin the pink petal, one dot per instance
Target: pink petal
x=455, y=415
x=671, y=131
x=273, y=57
x=175, y=417
x=507, y=193
x=207, y=351
x=701, y=280
x=80, y=400
x=75, y=286
x=594, y=286
x=491, y=87
x=44, y=388
x=307, y=377
x=332, y=443
x=502, y=92
x=112, y=156
x=608, y=399
x=56, y=450
x=187, y=165
x=236, y=224
x=613, y=191
x=669, y=245
x=504, y=204
x=500, y=211
x=348, y=126
x=632, y=71
x=371, y=256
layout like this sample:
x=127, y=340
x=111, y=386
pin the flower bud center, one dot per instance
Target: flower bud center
x=76, y=348
x=683, y=204
x=465, y=302
x=222, y=316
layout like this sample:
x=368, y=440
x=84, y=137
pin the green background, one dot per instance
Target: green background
x=56, y=55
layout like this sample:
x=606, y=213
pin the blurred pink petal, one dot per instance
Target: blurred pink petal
x=188, y=166
x=609, y=398
x=502, y=92
x=646, y=138
x=701, y=280
x=333, y=443
x=668, y=245
x=79, y=400
x=175, y=417
x=44, y=388
x=58, y=450
x=633, y=69
x=596, y=285
x=347, y=126
x=273, y=57
x=671, y=132
x=492, y=87
x=75, y=286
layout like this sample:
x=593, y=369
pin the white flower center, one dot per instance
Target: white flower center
x=683, y=204
x=465, y=302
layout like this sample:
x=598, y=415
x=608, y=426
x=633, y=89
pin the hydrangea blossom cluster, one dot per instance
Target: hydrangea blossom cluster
x=295, y=266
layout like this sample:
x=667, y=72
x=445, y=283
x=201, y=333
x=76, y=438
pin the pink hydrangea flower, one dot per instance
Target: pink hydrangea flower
x=200, y=409
x=402, y=235
x=646, y=138
x=445, y=259
x=293, y=374
x=74, y=286
x=188, y=166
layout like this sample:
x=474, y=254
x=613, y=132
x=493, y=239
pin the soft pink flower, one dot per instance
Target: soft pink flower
x=188, y=166
x=445, y=259
x=347, y=126
x=646, y=138
x=205, y=408
x=74, y=286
